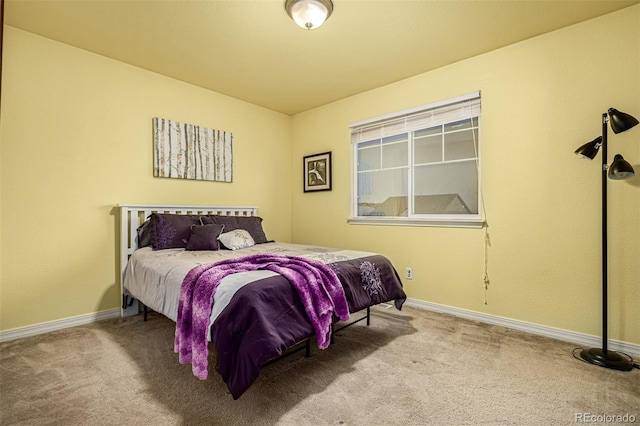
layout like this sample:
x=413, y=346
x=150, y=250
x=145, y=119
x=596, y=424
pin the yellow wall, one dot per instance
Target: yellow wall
x=76, y=141
x=76, y=133
x=541, y=99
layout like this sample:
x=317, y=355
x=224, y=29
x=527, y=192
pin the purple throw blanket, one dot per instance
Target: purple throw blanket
x=317, y=284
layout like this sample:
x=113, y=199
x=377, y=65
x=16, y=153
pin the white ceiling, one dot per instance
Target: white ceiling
x=251, y=49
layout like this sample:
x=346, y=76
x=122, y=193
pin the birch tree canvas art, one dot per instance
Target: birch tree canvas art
x=186, y=151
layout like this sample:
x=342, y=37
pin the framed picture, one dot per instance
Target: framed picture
x=187, y=151
x=317, y=172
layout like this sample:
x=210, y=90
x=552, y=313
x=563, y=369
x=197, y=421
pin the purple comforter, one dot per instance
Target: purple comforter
x=317, y=285
x=268, y=316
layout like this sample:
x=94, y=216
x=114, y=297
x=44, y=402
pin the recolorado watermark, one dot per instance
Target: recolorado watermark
x=604, y=418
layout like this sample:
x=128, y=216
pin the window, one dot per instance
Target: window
x=419, y=166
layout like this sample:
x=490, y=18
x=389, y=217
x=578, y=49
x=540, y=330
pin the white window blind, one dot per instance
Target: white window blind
x=425, y=116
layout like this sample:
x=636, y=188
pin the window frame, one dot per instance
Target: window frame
x=473, y=220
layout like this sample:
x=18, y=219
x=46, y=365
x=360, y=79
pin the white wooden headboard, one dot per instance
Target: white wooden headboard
x=133, y=215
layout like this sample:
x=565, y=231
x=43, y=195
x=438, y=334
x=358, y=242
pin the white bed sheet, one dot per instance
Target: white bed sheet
x=155, y=276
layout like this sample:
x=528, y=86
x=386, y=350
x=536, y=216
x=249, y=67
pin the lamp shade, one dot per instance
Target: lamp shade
x=309, y=14
x=621, y=121
x=589, y=150
x=620, y=169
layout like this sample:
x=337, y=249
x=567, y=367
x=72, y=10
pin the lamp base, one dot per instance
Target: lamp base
x=608, y=359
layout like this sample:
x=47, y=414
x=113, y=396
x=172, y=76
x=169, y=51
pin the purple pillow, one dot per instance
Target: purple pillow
x=144, y=234
x=204, y=237
x=171, y=230
x=252, y=224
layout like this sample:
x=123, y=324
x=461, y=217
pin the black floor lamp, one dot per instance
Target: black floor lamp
x=618, y=170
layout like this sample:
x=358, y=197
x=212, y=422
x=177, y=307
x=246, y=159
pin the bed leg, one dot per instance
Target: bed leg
x=127, y=301
x=307, y=348
x=144, y=308
x=368, y=316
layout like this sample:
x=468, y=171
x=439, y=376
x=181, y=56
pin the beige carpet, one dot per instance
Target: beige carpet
x=408, y=368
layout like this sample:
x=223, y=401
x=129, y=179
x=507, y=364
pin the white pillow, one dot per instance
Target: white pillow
x=236, y=239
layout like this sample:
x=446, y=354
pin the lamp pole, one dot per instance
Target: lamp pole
x=605, y=250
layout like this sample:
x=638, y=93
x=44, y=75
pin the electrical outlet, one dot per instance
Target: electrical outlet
x=408, y=273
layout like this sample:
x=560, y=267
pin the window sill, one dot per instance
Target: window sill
x=401, y=221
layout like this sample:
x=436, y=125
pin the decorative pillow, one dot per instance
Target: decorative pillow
x=204, y=237
x=144, y=234
x=236, y=239
x=252, y=224
x=171, y=230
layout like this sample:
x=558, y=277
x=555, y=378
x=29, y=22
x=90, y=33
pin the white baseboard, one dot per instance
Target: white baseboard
x=585, y=340
x=45, y=327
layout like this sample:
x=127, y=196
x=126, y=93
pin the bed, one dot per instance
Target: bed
x=213, y=271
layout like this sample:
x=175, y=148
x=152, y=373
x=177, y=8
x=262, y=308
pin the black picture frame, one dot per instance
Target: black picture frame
x=317, y=172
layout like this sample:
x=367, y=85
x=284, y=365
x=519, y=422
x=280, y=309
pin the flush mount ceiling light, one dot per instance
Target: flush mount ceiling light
x=309, y=14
